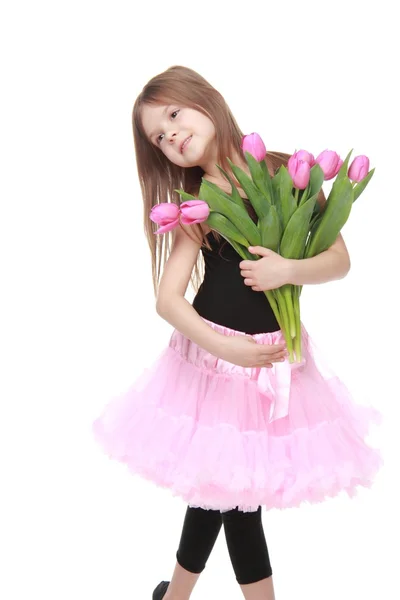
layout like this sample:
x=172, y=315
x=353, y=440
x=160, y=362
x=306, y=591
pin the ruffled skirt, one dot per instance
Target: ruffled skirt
x=222, y=436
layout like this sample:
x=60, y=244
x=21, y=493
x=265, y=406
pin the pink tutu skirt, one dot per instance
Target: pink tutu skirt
x=222, y=436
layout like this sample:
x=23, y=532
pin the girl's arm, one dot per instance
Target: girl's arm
x=171, y=304
x=272, y=270
x=332, y=264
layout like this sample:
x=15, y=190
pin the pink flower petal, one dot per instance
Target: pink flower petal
x=359, y=168
x=168, y=227
x=302, y=175
x=194, y=211
x=164, y=212
x=328, y=160
x=253, y=144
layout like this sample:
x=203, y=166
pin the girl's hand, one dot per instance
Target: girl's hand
x=246, y=352
x=267, y=273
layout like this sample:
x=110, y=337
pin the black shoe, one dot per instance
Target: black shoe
x=160, y=590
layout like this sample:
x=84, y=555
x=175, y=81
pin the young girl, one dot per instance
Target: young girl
x=222, y=418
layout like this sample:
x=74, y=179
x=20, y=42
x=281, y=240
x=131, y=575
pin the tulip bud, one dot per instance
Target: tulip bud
x=254, y=145
x=330, y=163
x=165, y=214
x=306, y=156
x=194, y=211
x=299, y=171
x=359, y=168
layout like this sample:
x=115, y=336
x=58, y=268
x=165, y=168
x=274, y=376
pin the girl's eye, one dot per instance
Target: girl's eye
x=173, y=113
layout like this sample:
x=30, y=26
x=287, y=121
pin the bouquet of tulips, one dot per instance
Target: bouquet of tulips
x=289, y=218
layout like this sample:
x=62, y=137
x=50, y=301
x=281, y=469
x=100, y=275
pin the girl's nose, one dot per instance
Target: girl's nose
x=172, y=137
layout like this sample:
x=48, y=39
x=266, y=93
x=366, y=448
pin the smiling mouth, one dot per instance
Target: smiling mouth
x=185, y=143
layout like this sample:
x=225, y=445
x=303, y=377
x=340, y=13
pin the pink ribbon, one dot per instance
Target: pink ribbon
x=275, y=383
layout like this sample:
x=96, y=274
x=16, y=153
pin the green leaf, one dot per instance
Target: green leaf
x=360, y=187
x=243, y=252
x=334, y=216
x=344, y=168
x=317, y=207
x=295, y=235
x=304, y=195
x=316, y=214
x=316, y=180
x=256, y=198
x=237, y=215
x=270, y=229
x=185, y=196
x=267, y=179
x=276, y=182
x=314, y=223
x=226, y=228
x=236, y=197
x=286, y=199
x=258, y=176
x=216, y=189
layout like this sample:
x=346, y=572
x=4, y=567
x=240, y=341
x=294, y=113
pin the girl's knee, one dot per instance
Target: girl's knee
x=190, y=563
x=254, y=577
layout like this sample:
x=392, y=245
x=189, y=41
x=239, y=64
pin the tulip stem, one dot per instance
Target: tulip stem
x=285, y=322
x=297, y=339
x=269, y=293
x=288, y=296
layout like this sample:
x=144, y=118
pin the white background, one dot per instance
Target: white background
x=77, y=307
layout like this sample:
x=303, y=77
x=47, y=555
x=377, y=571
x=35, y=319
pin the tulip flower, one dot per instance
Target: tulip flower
x=168, y=214
x=165, y=214
x=359, y=168
x=299, y=171
x=306, y=156
x=330, y=163
x=194, y=211
x=293, y=229
x=253, y=144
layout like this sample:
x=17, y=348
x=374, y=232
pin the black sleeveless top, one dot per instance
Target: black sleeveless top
x=223, y=297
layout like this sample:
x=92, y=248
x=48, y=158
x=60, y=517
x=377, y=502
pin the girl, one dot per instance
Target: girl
x=222, y=418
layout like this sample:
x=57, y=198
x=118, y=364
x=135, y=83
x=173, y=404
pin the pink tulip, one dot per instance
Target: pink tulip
x=253, y=144
x=165, y=214
x=306, y=156
x=194, y=211
x=359, y=168
x=330, y=162
x=299, y=171
x=168, y=214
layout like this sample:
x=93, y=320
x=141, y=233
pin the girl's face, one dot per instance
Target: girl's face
x=169, y=126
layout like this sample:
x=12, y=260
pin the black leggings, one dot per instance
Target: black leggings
x=244, y=537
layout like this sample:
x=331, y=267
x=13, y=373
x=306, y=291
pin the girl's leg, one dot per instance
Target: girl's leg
x=249, y=553
x=200, y=531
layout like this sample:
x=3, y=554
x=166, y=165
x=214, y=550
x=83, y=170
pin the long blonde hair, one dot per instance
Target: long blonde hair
x=159, y=177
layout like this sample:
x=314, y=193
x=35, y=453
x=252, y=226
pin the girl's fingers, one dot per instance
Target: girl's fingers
x=271, y=348
x=268, y=360
x=274, y=356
